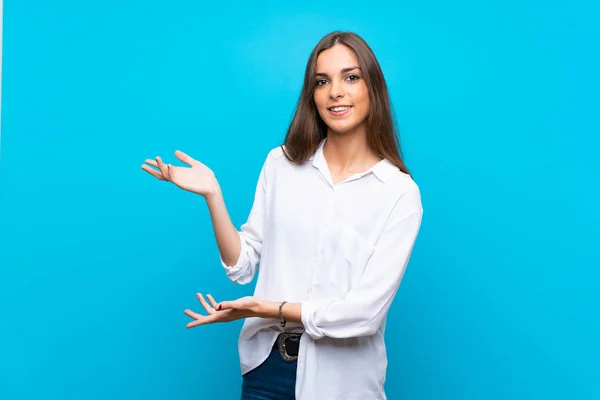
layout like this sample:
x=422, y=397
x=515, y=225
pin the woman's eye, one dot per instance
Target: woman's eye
x=353, y=78
x=321, y=82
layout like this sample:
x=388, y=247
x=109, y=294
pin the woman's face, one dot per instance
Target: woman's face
x=341, y=94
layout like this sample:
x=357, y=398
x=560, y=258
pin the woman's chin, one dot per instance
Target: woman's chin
x=343, y=128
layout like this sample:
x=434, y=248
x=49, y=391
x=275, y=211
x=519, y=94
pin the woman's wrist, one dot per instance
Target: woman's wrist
x=214, y=195
x=292, y=312
x=267, y=309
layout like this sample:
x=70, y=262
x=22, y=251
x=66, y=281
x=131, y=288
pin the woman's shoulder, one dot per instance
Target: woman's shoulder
x=274, y=160
x=277, y=157
x=277, y=153
x=405, y=187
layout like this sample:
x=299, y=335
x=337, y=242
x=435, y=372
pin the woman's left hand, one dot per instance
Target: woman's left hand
x=223, y=312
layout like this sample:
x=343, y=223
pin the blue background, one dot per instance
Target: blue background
x=497, y=104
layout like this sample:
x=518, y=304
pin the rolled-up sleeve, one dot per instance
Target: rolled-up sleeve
x=364, y=308
x=251, y=237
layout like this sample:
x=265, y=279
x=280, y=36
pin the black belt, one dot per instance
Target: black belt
x=288, y=345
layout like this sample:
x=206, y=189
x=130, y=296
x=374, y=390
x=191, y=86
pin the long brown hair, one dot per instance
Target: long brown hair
x=307, y=129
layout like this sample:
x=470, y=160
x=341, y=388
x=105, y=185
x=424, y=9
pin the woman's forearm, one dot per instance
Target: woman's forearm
x=292, y=312
x=226, y=235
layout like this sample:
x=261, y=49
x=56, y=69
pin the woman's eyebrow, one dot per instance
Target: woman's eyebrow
x=343, y=71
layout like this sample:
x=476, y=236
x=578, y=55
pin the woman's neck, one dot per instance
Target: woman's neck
x=348, y=153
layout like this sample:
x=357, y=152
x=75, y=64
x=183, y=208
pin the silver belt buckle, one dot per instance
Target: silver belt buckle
x=281, y=346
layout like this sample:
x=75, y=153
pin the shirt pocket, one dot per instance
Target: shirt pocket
x=351, y=255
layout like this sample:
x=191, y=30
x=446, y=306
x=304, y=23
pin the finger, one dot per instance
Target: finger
x=193, y=324
x=212, y=301
x=153, y=172
x=198, y=322
x=227, y=305
x=184, y=157
x=151, y=162
x=163, y=169
x=208, y=308
x=199, y=319
x=193, y=315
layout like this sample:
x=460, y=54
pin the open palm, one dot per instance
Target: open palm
x=224, y=312
x=196, y=178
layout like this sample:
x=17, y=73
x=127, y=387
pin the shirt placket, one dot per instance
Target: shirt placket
x=328, y=220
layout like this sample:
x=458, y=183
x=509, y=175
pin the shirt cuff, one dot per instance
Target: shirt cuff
x=236, y=271
x=307, y=316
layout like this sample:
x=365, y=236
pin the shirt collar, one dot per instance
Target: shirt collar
x=383, y=170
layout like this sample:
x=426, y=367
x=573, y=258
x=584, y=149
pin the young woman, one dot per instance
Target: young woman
x=333, y=224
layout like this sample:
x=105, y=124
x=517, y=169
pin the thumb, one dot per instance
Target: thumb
x=184, y=157
x=226, y=305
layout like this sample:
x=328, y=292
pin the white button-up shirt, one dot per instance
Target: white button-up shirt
x=339, y=249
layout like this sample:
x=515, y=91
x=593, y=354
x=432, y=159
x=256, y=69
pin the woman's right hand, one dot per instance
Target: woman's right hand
x=198, y=178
